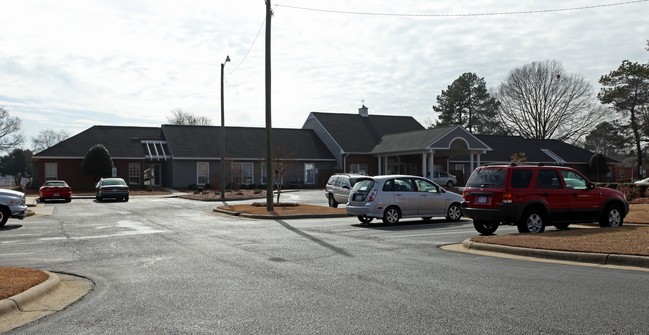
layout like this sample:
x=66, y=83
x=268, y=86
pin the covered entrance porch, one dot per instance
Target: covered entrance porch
x=427, y=151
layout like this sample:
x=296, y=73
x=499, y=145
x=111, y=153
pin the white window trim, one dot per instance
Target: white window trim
x=56, y=171
x=207, y=176
x=314, y=174
x=133, y=176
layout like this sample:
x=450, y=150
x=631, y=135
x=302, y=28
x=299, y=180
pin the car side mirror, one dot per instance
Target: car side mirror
x=590, y=186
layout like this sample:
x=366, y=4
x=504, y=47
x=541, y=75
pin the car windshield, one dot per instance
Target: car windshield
x=114, y=182
x=487, y=178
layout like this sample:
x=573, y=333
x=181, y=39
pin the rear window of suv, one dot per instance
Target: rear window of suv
x=491, y=178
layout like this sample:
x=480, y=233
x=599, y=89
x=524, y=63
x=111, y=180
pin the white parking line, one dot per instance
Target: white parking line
x=429, y=234
x=17, y=254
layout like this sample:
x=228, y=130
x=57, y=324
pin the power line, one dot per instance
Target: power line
x=252, y=45
x=331, y=11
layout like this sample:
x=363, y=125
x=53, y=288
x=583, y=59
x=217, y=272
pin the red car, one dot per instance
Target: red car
x=55, y=189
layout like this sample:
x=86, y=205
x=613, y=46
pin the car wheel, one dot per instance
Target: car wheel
x=485, y=227
x=454, y=213
x=99, y=198
x=126, y=198
x=562, y=225
x=68, y=199
x=612, y=217
x=365, y=219
x=391, y=215
x=449, y=183
x=533, y=221
x=332, y=201
x=4, y=216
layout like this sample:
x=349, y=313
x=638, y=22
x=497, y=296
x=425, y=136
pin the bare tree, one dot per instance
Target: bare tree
x=47, y=138
x=10, y=134
x=180, y=117
x=541, y=101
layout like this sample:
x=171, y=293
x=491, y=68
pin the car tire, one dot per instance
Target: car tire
x=449, y=183
x=68, y=199
x=532, y=221
x=391, y=215
x=126, y=198
x=99, y=198
x=562, y=225
x=332, y=202
x=4, y=216
x=364, y=219
x=454, y=213
x=485, y=227
x=612, y=217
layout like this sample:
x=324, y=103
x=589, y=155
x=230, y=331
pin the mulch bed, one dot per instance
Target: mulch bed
x=16, y=280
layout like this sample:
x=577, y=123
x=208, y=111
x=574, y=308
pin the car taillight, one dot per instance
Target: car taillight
x=464, y=194
x=508, y=198
x=372, y=196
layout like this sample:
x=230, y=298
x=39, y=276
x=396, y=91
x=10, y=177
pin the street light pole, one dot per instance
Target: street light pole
x=227, y=59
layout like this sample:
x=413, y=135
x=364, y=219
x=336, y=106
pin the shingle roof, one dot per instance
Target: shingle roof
x=121, y=142
x=191, y=142
x=536, y=150
x=420, y=140
x=357, y=134
x=242, y=142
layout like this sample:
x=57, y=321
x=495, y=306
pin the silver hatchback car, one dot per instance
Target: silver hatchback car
x=391, y=198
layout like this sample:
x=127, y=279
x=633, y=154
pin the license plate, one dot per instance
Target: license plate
x=358, y=197
x=56, y=194
x=482, y=199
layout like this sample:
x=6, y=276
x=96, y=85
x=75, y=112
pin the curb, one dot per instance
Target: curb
x=19, y=300
x=584, y=257
x=271, y=217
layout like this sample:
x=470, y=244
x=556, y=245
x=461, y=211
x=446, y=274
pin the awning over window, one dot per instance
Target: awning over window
x=156, y=150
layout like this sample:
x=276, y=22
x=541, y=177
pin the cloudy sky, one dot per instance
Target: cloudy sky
x=73, y=64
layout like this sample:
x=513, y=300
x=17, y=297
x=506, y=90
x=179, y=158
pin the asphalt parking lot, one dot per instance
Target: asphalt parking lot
x=167, y=265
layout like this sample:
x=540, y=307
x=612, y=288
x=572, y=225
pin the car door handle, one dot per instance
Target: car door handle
x=545, y=194
x=574, y=194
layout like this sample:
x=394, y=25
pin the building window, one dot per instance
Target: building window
x=242, y=173
x=134, y=173
x=51, y=171
x=202, y=173
x=359, y=168
x=309, y=173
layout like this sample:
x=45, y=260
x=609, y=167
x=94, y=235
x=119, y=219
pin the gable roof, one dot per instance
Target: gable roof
x=121, y=142
x=440, y=138
x=536, y=150
x=358, y=134
x=188, y=142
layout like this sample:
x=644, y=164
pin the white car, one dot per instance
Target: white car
x=393, y=197
x=643, y=182
x=444, y=178
x=12, y=205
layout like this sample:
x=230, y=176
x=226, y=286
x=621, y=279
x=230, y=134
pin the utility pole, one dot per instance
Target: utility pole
x=269, y=126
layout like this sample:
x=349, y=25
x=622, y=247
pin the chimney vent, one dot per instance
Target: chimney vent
x=363, y=111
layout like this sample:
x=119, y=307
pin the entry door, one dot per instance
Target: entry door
x=157, y=174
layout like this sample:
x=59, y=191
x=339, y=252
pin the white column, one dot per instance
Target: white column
x=379, y=165
x=385, y=164
x=423, y=165
x=471, y=162
x=478, y=160
x=431, y=163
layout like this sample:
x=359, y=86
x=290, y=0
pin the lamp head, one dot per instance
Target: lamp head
x=227, y=59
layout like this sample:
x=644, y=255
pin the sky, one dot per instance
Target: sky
x=68, y=65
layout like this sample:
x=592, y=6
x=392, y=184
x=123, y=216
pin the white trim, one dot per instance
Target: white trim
x=207, y=177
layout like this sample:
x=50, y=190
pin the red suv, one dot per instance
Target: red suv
x=533, y=197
